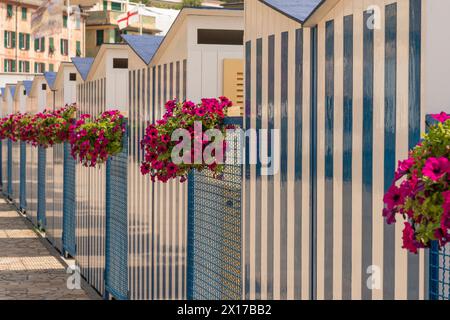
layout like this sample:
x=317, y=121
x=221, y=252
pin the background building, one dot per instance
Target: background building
x=21, y=54
x=102, y=26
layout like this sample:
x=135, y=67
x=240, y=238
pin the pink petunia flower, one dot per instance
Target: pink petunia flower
x=394, y=197
x=442, y=117
x=409, y=239
x=436, y=168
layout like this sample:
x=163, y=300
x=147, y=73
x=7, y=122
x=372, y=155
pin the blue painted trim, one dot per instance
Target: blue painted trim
x=415, y=57
x=248, y=74
x=434, y=276
x=347, y=163
x=313, y=162
x=270, y=177
x=10, y=177
x=298, y=163
x=190, y=237
x=284, y=162
x=329, y=157
x=184, y=80
x=42, y=163
x=367, y=152
x=69, y=203
x=390, y=136
x=23, y=177
x=178, y=80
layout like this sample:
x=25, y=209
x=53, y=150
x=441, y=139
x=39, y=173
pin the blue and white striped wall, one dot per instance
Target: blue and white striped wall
x=91, y=197
x=347, y=102
x=157, y=212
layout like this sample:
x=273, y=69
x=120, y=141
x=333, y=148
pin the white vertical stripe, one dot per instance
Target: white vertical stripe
x=401, y=260
x=338, y=150
x=306, y=180
x=378, y=147
x=291, y=164
x=320, y=162
x=264, y=188
x=357, y=149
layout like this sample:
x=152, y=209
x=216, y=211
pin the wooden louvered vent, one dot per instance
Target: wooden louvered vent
x=233, y=85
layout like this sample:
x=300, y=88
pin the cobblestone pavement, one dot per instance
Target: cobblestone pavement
x=30, y=269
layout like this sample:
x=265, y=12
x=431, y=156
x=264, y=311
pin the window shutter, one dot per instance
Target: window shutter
x=61, y=45
x=21, y=46
x=5, y=65
x=13, y=40
x=36, y=44
x=43, y=44
x=13, y=69
x=28, y=41
x=20, y=66
x=6, y=39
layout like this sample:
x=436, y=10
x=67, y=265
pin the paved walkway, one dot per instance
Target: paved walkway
x=30, y=269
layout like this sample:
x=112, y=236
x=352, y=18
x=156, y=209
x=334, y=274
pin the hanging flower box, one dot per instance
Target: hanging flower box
x=181, y=140
x=93, y=141
x=421, y=190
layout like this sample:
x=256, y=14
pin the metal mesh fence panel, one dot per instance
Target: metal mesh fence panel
x=214, y=232
x=69, y=204
x=116, y=275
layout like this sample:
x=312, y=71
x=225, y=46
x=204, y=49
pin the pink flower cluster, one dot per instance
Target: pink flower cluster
x=157, y=142
x=43, y=129
x=93, y=141
x=420, y=192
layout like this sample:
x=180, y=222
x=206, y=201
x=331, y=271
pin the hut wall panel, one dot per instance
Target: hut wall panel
x=315, y=229
x=156, y=211
x=91, y=198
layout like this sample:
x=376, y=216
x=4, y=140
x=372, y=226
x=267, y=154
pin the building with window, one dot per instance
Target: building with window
x=102, y=26
x=21, y=54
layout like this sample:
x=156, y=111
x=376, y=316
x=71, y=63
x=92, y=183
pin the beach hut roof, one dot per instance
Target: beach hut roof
x=83, y=65
x=50, y=77
x=298, y=10
x=144, y=46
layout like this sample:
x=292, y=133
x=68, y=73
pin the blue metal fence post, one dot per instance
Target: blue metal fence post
x=9, y=189
x=190, y=239
x=42, y=161
x=69, y=204
x=23, y=170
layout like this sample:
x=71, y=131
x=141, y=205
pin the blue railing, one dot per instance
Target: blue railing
x=214, y=231
x=69, y=203
x=116, y=253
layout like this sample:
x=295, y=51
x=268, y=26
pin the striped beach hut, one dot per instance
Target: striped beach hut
x=20, y=100
x=36, y=102
x=12, y=151
x=63, y=92
x=102, y=87
x=343, y=84
x=202, y=48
